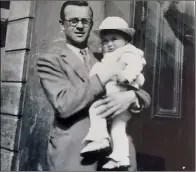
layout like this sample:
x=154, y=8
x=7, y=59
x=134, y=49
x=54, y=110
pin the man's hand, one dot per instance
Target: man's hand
x=114, y=104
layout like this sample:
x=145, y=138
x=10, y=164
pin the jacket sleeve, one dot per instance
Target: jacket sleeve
x=143, y=100
x=64, y=97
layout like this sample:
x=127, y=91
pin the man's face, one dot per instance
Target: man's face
x=77, y=32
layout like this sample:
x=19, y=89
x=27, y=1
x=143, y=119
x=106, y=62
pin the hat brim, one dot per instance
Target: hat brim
x=128, y=31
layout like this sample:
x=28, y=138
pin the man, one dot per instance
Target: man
x=65, y=79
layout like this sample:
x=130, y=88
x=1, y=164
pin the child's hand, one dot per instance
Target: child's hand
x=120, y=78
x=139, y=81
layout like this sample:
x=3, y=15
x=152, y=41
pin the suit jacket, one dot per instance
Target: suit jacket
x=65, y=81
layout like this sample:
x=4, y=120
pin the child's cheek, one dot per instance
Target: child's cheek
x=104, y=49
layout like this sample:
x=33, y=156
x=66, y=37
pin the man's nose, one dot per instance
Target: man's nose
x=80, y=25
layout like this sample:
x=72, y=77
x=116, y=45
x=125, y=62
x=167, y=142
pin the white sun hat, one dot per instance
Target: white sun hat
x=115, y=23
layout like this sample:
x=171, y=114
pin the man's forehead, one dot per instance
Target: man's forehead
x=77, y=11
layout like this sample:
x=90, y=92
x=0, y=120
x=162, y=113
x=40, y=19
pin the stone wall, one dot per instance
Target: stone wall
x=14, y=65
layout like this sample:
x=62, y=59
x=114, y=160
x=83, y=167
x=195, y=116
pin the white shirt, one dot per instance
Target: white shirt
x=77, y=51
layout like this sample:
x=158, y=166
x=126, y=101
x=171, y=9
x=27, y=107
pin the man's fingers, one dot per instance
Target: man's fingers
x=109, y=112
x=104, y=108
x=102, y=102
x=101, y=109
x=117, y=112
x=99, y=102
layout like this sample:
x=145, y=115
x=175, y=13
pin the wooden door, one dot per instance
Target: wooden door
x=164, y=134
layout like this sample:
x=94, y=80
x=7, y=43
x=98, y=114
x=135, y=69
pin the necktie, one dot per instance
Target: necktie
x=86, y=58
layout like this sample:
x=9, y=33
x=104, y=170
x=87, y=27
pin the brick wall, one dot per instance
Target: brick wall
x=14, y=65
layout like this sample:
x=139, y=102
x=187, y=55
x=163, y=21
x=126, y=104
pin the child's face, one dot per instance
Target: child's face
x=112, y=41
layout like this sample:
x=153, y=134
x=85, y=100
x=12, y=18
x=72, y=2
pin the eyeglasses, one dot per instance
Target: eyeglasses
x=74, y=22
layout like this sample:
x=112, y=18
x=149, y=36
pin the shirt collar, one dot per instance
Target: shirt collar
x=75, y=49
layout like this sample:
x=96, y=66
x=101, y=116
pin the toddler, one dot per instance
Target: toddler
x=116, y=48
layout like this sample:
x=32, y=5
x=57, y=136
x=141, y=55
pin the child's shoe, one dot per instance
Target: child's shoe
x=113, y=164
x=102, y=146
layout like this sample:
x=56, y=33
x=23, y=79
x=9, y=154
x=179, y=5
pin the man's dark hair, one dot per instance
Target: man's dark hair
x=123, y=34
x=76, y=3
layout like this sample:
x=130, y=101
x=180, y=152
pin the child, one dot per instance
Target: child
x=116, y=48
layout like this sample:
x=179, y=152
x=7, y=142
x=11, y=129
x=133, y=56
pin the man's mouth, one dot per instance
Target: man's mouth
x=79, y=34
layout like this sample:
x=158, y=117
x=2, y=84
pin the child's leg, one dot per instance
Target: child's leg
x=120, y=156
x=98, y=127
x=97, y=138
x=132, y=155
x=119, y=137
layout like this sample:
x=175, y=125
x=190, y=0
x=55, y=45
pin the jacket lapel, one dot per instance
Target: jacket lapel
x=69, y=57
x=93, y=60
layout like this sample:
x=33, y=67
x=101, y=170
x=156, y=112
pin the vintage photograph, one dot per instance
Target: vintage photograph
x=97, y=85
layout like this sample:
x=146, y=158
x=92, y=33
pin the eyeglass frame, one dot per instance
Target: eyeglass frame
x=79, y=19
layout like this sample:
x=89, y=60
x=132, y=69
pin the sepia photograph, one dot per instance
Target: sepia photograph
x=70, y=99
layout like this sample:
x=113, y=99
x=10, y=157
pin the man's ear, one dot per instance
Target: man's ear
x=60, y=21
x=92, y=25
x=61, y=25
